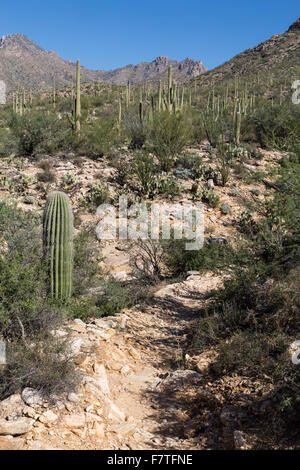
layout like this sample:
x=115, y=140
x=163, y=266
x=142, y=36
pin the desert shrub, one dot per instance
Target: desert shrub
x=147, y=261
x=7, y=142
x=136, y=130
x=100, y=138
x=189, y=161
x=183, y=173
x=47, y=175
x=143, y=166
x=38, y=131
x=109, y=298
x=45, y=365
x=69, y=179
x=211, y=257
x=27, y=315
x=121, y=164
x=275, y=126
x=166, y=185
x=216, y=128
x=97, y=195
x=170, y=134
x=210, y=197
x=86, y=269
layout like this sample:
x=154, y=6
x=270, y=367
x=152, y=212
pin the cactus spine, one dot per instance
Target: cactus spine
x=58, y=244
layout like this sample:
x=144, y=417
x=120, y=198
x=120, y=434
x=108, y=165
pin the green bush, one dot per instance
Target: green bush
x=170, y=134
x=100, y=138
x=211, y=257
x=136, y=130
x=38, y=132
x=113, y=297
x=143, y=167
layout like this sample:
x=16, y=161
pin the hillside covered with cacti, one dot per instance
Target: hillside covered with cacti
x=139, y=343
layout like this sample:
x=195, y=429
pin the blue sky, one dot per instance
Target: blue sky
x=114, y=33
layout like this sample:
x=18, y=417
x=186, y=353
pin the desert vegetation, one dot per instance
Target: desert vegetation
x=232, y=144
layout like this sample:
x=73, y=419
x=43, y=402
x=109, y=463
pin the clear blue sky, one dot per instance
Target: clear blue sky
x=114, y=33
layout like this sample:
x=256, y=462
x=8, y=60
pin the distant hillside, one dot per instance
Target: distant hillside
x=280, y=53
x=24, y=64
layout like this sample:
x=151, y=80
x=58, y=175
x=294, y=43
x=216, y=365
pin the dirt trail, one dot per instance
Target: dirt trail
x=157, y=339
x=139, y=391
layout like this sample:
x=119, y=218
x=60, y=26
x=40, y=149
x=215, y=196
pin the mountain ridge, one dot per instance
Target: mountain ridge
x=24, y=64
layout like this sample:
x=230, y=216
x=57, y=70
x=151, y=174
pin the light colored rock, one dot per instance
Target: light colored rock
x=79, y=322
x=59, y=333
x=78, y=345
x=205, y=360
x=48, y=417
x=12, y=404
x=97, y=332
x=97, y=383
x=120, y=276
x=74, y=397
x=16, y=428
x=75, y=420
x=99, y=430
x=9, y=444
x=141, y=380
x=2, y=352
x=39, y=445
x=32, y=397
x=78, y=328
x=30, y=412
x=125, y=370
x=101, y=378
x=123, y=429
x=111, y=411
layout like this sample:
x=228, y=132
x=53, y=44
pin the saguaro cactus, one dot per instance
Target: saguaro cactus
x=170, y=84
x=77, y=102
x=159, y=96
x=58, y=243
x=238, y=127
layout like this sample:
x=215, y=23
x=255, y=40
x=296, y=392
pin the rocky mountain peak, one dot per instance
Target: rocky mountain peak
x=161, y=60
x=295, y=26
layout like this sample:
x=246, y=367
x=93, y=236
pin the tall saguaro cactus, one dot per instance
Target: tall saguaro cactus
x=170, y=85
x=77, y=101
x=58, y=244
